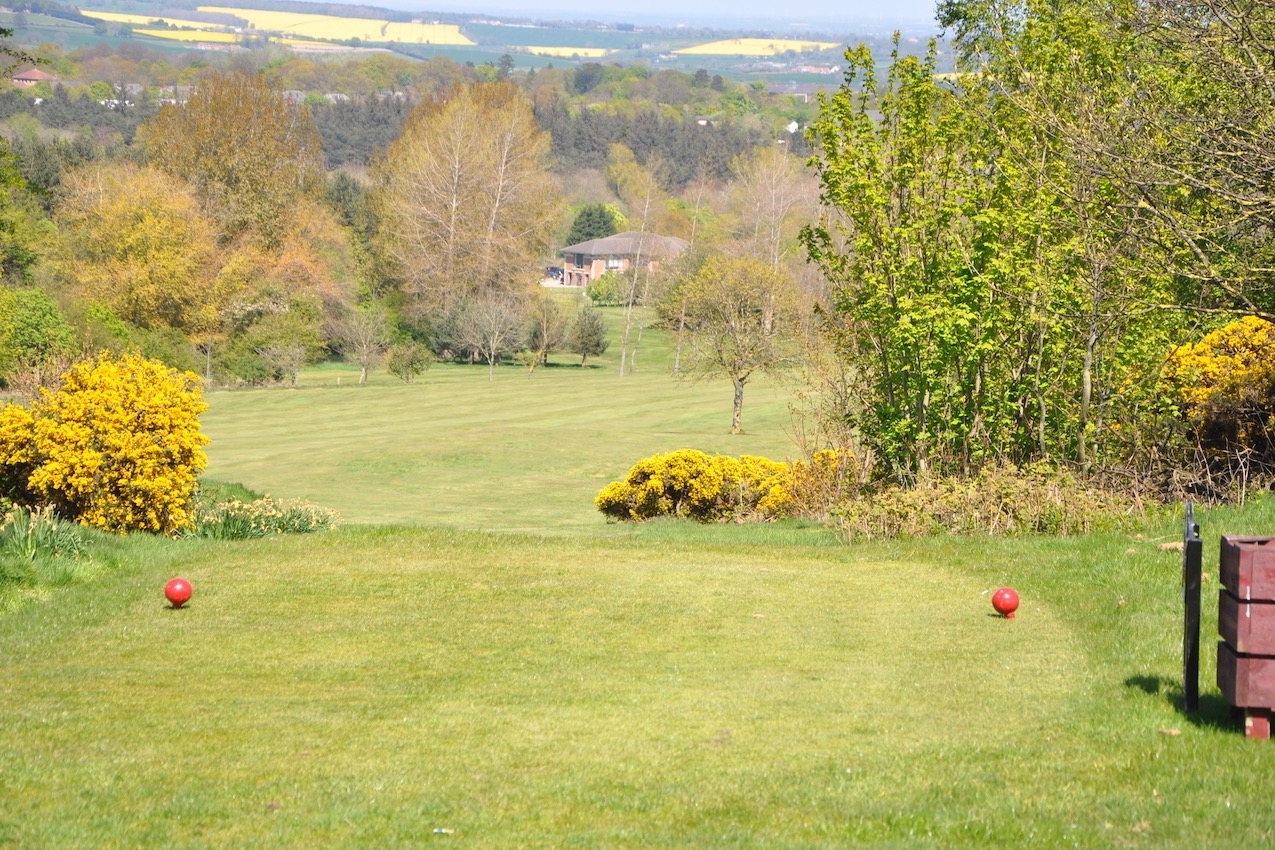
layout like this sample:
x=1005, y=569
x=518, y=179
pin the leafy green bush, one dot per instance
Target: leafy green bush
x=406, y=360
x=1001, y=500
x=610, y=290
x=708, y=488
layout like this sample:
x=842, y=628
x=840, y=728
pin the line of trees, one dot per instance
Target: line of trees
x=1017, y=250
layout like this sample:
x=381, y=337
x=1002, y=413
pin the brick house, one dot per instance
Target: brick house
x=585, y=262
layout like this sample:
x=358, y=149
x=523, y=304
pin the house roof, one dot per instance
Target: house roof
x=630, y=243
x=34, y=74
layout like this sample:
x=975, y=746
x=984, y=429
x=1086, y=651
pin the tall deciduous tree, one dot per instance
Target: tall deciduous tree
x=364, y=336
x=547, y=329
x=991, y=289
x=889, y=239
x=1201, y=157
x=136, y=240
x=249, y=153
x=641, y=190
x=490, y=326
x=1177, y=123
x=771, y=196
x=23, y=229
x=465, y=198
x=743, y=318
x=1080, y=109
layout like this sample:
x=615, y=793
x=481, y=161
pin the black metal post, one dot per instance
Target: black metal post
x=1192, y=552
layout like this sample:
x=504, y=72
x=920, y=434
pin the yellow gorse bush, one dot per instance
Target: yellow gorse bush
x=1225, y=388
x=1231, y=366
x=117, y=447
x=16, y=433
x=708, y=488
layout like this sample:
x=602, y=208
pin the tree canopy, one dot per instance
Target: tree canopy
x=1014, y=251
x=249, y=153
x=464, y=196
x=136, y=240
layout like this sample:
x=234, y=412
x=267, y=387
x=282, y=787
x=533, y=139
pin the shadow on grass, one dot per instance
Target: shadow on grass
x=1214, y=712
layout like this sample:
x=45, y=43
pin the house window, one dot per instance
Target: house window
x=615, y=262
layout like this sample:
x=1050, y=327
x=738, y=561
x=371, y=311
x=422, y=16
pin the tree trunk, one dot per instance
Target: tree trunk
x=1086, y=396
x=681, y=328
x=363, y=374
x=735, y=426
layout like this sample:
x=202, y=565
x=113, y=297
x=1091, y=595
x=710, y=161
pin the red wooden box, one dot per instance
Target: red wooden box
x=1249, y=627
x=1247, y=681
x=1248, y=567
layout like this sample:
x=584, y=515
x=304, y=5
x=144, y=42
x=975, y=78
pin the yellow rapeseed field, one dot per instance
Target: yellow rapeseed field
x=755, y=47
x=218, y=36
x=116, y=18
x=340, y=29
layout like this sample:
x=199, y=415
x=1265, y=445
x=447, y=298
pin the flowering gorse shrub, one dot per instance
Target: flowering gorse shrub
x=116, y=447
x=1225, y=387
x=708, y=488
x=17, y=454
x=234, y=519
x=1232, y=364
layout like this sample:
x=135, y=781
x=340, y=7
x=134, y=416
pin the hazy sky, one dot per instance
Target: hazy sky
x=839, y=15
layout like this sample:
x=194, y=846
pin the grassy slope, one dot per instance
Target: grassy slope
x=603, y=686
x=517, y=453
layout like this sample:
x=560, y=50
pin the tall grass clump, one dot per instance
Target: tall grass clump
x=232, y=512
x=1001, y=500
x=38, y=551
x=27, y=534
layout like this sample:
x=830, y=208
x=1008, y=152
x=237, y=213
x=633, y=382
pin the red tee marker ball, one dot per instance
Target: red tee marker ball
x=178, y=592
x=1005, y=601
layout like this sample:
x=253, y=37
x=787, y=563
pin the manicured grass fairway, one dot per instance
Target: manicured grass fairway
x=664, y=685
x=516, y=453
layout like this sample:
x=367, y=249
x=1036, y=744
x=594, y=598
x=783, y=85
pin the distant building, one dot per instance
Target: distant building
x=175, y=94
x=26, y=79
x=804, y=92
x=585, y=262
